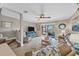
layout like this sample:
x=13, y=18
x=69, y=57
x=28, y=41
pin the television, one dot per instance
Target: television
x=30, y=28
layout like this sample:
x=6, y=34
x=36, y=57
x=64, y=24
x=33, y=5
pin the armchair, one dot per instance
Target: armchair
x=66, y=50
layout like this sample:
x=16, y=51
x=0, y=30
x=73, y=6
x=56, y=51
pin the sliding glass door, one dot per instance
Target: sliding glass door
x=48, y=30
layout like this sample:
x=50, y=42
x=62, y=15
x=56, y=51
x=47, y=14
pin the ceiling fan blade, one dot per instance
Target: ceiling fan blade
x=47, y=17
x=43, y=17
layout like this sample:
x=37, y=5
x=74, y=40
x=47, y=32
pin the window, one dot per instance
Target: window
x=8, y=24
x=48, y=30
x=5, y=24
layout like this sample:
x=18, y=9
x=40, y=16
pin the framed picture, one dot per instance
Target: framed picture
x=75, y=27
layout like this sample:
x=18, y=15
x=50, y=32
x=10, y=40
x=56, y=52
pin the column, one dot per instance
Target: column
x=21, y=29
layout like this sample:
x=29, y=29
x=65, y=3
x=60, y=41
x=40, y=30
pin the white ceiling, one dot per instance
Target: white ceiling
x=57, y=11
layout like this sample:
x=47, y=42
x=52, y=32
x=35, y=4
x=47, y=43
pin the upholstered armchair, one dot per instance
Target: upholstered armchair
x=65, y=50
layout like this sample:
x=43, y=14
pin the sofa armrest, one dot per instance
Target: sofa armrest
x=72, y=53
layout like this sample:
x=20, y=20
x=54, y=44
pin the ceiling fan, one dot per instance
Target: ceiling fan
x=42, y=15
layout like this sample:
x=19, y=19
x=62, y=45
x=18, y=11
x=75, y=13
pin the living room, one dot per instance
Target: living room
x=39, y=29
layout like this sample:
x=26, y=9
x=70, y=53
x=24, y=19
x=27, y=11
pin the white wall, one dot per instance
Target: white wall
x=74, y=37
x=15, y=22
x=16, y=25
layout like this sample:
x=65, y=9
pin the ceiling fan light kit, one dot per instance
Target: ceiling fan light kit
x=42, y=15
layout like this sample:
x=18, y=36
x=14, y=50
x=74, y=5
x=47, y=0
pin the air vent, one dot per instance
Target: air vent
x=25, y=11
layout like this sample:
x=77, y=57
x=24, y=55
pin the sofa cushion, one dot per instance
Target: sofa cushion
x=31, y=34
